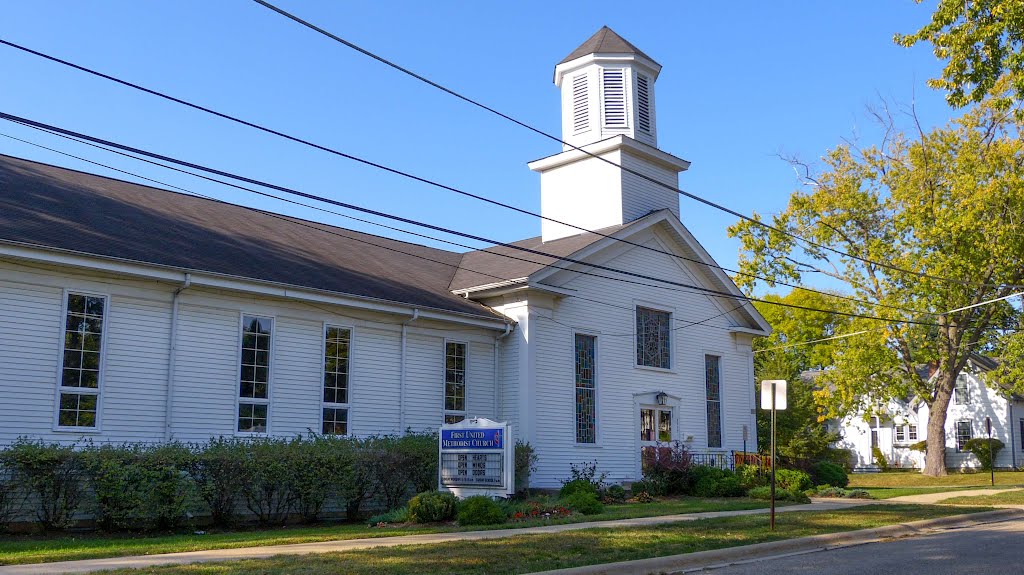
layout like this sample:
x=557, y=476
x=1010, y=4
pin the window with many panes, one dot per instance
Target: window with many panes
x=963, y=434
x=653, y=333
x=79, y=384
x=713, y=392
x=900, y=433
x=911, y=432
x=254, y=376
x=586, y=389
x=454, y=382
x=337, y=346
x=961, y=393
x=656, y=424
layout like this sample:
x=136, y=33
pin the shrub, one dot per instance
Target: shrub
x=750, y=476
x=979, y=447
x=526, y=463
x=419, y=451
x=793, y=480
x=645, y=486
x=10, y=498
x=119, y=482
x=267, y=488
x=585, y=473
x=921, y=446
x=480, y=510
x=764, y=493
x=355, y=483
x=217, y=467
x=432, y=506
x=667, y=467
x=51, y=475
x=841, y=457
x=880, y=459
x=615, y=494
x=171, y=489
x=826, y=473
x=400, y=515
x=859, y=494
x=829, y=491
x=714, y=482
x=583, y=502
x=313, y=465
x=574, y=486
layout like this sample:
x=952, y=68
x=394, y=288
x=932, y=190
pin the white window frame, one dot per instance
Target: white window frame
x=239, y=400
x=101, y=376
x=956, y=433
x=323, y=373
x=597, y=387
x=900, y=433
x=444, y=382
x=911, y=432
x=966, y=399
x=658, y=410
x=721, y=398
x=671, y=336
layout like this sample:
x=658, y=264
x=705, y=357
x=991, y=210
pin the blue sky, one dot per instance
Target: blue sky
x=741, y=83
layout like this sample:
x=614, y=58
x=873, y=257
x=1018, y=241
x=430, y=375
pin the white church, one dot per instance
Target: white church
x=137, y=314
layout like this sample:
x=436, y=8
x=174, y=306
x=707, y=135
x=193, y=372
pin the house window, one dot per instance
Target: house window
x=643, y=101
x=912, y=432
x=963, y=434
x=79, y=386
x=961, y=393
x=454, y=382
x=655, y=425
x=614, y=97
x=901, y=435
x=586, y=389
x=580, y=104
x=1021, y=423
x=713, y=389
x=653, y=333
x=254, y=380
x=337, y=345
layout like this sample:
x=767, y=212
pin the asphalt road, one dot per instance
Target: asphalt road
x=993, y=549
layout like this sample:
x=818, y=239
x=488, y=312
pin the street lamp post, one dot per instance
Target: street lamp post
x=773, y=396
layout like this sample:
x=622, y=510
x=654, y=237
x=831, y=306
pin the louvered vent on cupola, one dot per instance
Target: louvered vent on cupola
x=580, y=104
x=614, y=97
x=643, y=104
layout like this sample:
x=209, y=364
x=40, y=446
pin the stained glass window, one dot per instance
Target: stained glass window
x=586, y=390
x=652, y=337
x=713, y=387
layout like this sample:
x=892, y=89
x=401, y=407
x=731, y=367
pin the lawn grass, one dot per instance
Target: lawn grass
x=529, y=553
x=39, y=549
x=1008, y=498
x=890, y=492
x=908, y=479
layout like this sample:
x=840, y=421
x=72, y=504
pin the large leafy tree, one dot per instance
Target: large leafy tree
x=932, y=225
x=800, y=429
x=980, y=42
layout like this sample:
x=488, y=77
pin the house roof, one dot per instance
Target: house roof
x=479, y=267
x=605, y=41
x=51, y=207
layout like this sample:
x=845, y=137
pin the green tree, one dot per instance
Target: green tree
x=981, y=42
x=800, y=429
x=945, y=206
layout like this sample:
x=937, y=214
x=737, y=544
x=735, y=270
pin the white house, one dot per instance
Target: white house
x=139, y=314
x=899, y=424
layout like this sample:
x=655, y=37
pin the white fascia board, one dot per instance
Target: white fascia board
x=495, y=286
x=614, y=143
x=648, y=65
x=176, y=275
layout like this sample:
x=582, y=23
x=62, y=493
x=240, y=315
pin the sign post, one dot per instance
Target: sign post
x=773, y=396
x=475, y=458
x=745, y=432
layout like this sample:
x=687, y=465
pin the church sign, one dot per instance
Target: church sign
x=475, y=458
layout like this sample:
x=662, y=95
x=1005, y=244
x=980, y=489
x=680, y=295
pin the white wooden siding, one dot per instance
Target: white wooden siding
x=641, y=196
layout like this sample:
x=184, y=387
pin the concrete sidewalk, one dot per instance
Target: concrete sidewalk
x=138, y=561
x=928, y=498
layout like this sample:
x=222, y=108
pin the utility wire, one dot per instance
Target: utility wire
x=295, y=220
x=536, y=130
x=425, y=180
x=706, y=291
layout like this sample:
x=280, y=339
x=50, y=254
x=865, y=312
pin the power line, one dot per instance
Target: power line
x=536, y=130
x=705, y=291
x=428, y=181
x=296, y=221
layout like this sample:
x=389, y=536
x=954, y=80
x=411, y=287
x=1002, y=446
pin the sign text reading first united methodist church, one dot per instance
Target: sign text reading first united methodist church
x=472, y=439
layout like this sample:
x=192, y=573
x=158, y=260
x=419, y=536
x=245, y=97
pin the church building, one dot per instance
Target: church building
x=137, y=314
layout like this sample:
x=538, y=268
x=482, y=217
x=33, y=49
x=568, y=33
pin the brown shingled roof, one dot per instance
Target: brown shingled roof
x=52, y=207
x=494, y=260
x=605, y=41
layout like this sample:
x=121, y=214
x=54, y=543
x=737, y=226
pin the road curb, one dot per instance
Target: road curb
x=701, y=559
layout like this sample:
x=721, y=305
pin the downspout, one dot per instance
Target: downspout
x=173, y=356
x=401, y=377
x=498, y=405
x=1013, y=446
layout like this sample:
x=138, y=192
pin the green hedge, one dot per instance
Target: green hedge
x=163, y=486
